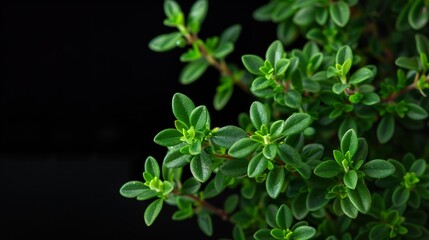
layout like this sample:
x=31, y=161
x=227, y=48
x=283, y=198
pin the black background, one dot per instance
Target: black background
x=82, y=97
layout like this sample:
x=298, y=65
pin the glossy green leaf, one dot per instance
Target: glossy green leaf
x=226, y=136
x=263, y=234
x=132, y=189
x=292, y=98
x=270, y=151
x=410, y=63
x=416, y=112
x=284, y=217
x=199, y=118
x=172, y=8
x=168, y=137
x=297, y=123
x=290, y=155
x=328, y=169
x=196, y=15
x=312, y=151
x=193, y=71
x=340, y=13
x=223, y=50
x=201, y=166
x=378, y=168
x=165, y=42
x=235, y=167
x=275, y=181
x=422, y=43
x=252, y=63
x=349, y=142
x=350, y=179
x=362, y=74
x=274, y=52
x=146, y=194
x=418, y=15
x=204, y=221
x=316, y=199
x=190, y=186
x=152, y=211
x=379, y=231
x=257, y=165
x=386, y=128
x=304, y=16
x=230, y=34
x=223, y=93
x=343, y=53
x=175, y=159
x=182, y=107
x=348, y=208
x=259, y=114
x=418, y=167
x=281, y=66
x=151, y=166
x=360, y=197
x=370, y=98
x=339, y=87
x=243, y=148
x=400, y=196
x=299, y=207
x=303, y=232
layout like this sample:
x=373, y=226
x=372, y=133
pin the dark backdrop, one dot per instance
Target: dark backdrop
x=82, y=97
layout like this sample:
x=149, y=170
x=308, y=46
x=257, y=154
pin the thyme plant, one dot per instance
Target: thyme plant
x=335, y=144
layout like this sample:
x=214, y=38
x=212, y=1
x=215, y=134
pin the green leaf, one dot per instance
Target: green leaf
x=410, y=63
x=165, y=42
x=193, y=70
x=362, y=152
x=252, y=63
x=201, y=166
x=284, y=217
x=274, y=52
x=378, y=168
x=172, y=9
x=263, y=234
x=197, y=15
x=379, y=231
x=235, y=167
x=386, y=128
x=360, y=197
x=281, y=66
x=292, y=98
x=199, y=118
x=190, y=186
x=231, y=203
x=343, y=53
x=312, y=151
x=350, y=179
x=349, y=142
x=418, y=167
x=328, y=169
x=175, y=159
x=418, y=15
x=304, y=16
x=416, y=112
x=205, y=223
x=422, y=44
x=340, y=13
x=264, y=12
x=339, y=87
x=182, y=107
x=223, y=50
x=132, y=189
x=348, y=208
x=370, y=98
x=243, y=148
x=275, y=181
x=400, y=196
x=297, y=123
x=303, y=232
x=299, y=207
x=257, y=165
x=152, y=211
x=223, y=93
x=151, y=166
x=230, y=34
x=226, y=136
x=362, y=74
x=316, y=199
x=290, y=155
x=168, y=137
x=259, y=114
x=270, y=150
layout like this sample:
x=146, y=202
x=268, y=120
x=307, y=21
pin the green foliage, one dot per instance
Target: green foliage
x=333, y=146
